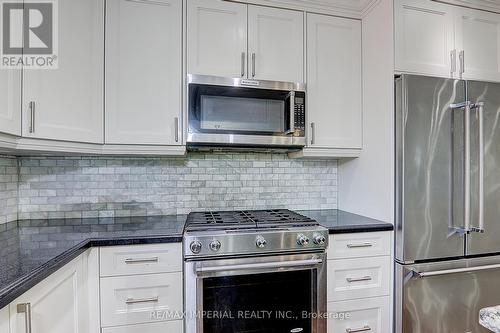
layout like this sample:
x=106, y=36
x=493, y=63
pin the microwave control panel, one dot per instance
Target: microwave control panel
x=300, y=113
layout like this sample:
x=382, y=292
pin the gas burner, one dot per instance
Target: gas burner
x=246, y=219
x=250, y=232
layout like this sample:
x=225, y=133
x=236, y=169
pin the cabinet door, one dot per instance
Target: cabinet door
x=275, y=44
x=4, y=320
x=334, y=82
x=58, y=303
x=143, y=71
x=478, y=36
x=217, y=38
x=69, y=100
x=10, y=101
x=424, y=38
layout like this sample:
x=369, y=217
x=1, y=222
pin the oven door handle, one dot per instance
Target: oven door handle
x=263, y=265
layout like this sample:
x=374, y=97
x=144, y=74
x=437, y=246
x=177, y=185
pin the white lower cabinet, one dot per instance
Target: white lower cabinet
x=363, y=315
x=4, y=320
x=58, y=304
x=359, y=282
x=163, y=327
x=132, y=299
x=359, y=278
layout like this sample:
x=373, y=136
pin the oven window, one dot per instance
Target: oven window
x=262, y=303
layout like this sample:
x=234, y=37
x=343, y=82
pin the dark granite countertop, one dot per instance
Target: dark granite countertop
x=31, y=250
x=338, y=221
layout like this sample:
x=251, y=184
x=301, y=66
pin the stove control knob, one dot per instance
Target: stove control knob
x=195, y=247
x=302, y=240
x=260, y=242
x=319, y=239
x=215, y=245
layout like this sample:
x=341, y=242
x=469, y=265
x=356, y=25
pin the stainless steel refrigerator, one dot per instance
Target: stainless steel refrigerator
x=447, y=203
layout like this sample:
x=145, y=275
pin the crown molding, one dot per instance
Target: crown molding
x=348, y=8
x=488, y=5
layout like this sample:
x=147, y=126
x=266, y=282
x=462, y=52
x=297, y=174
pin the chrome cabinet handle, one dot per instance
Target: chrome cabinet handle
x=26, y=309
x=243, y=56
x=363, y=278
x=461, y=57
x=32, y=117
x=153, y=299
x=453, y=55
x=176, y=129
x=313, y=134
x=365, y=328
x=140, y=260
x=291, y=130
x=353, y=245
x=264, y=265
x=253, y=64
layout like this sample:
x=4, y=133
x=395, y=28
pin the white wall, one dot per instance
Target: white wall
x=366, y=184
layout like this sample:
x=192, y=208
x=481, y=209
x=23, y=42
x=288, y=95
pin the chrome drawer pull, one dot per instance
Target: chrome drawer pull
x=142, y=300
x=365, y=328
x=364, y=278
x=140, y=260
x=26, y=309
x=352, y=246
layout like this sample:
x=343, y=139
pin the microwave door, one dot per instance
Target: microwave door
x=242, y=116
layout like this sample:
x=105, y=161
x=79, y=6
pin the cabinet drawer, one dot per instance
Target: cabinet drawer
x=371, y=314
x=367, y=244
x=358, y=278
x=163, y=327
x=141, y=259
x=132, y=299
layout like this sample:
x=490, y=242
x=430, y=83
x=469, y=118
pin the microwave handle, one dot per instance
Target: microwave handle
x=291, y=130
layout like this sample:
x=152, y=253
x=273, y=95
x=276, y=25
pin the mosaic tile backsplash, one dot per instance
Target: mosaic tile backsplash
x=8, y=189
x=76, y=187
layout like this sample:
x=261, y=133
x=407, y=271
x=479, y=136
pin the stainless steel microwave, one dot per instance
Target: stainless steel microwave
x=236, y=112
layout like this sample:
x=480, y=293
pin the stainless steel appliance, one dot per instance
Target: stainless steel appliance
x=447, y=203
x=254, y=271
x=227, y=112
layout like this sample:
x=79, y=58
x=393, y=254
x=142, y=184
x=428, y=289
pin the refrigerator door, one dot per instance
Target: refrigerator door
x=429, y=171
x=447, y=296
x=489, y=94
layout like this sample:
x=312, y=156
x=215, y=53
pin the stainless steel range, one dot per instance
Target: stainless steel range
x=255, y=271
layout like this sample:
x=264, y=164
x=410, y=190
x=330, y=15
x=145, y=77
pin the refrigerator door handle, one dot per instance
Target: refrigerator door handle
x=467, y=106
x=417, y=274
x=480, y=115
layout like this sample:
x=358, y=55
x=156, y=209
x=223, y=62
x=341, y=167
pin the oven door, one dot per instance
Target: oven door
x=274, y=294
x=228, y=112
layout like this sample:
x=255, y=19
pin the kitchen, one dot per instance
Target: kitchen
x=249, y=166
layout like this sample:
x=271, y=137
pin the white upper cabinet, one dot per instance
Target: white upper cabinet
x=478, y=38
x=10, y=101
x=217, y=38
x=143, y=71
x=445, y=40
x=67, y=103
x=334, y=82
x=424, y=38
x=275, y=44
x=237, y=40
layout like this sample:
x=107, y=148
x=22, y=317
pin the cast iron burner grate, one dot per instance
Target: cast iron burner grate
x=246, y=219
